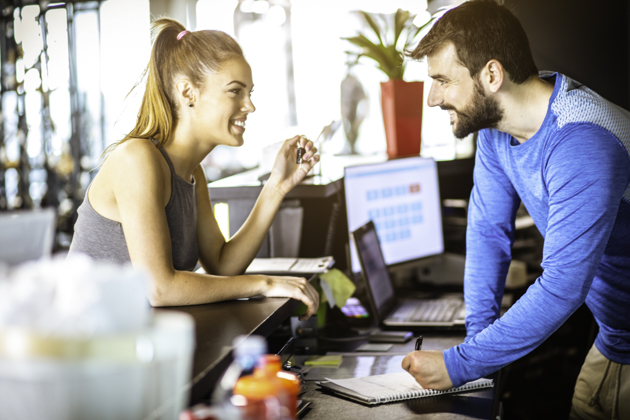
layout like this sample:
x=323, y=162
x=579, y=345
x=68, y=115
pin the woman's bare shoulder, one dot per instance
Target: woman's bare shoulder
x=139, y=150
x=132, y=169
x=137, y=159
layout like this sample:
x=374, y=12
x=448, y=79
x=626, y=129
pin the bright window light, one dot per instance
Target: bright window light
x=216, y=14
x=126, y=47
x=222, y=214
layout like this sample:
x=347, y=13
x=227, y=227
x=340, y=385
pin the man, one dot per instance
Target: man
x=564, y=151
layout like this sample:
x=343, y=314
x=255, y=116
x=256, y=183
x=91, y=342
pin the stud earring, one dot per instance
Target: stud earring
x=190, y=105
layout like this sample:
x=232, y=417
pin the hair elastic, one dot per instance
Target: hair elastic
x=181, y=34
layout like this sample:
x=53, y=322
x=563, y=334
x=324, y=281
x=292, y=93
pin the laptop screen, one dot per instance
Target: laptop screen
x=375, y=274
x=402, y=198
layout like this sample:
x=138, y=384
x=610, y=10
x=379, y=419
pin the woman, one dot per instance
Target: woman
x=149, y=203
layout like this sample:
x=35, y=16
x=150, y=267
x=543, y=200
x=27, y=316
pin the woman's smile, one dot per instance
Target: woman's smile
x=239, y=124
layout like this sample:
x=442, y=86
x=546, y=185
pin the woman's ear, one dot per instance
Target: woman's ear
x=186, y=93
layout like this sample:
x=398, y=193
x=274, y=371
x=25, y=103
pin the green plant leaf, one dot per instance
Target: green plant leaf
x=396, y=67
x=420, y=28
x=386, y=26
x=353, y=58
x=373, y=25
x=361, y=41
x=400, y=23
x=377, y=52
x=388, y=56
x=383, y=64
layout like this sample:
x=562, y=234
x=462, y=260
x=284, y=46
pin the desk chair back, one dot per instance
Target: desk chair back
x=26, y=235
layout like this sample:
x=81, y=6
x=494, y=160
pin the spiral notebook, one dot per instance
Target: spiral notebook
x=380, y=389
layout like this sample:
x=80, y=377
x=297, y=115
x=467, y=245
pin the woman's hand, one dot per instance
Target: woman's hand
x=296, y=288
x=286, y=174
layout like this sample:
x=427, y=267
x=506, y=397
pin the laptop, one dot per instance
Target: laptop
x=445, y=311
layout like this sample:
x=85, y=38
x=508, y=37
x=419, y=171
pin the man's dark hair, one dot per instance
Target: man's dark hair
x=482, y=30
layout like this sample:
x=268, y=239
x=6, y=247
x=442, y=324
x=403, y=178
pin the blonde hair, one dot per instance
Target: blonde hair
x=193, y=56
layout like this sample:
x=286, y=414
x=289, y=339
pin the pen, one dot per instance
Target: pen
x=419, y=343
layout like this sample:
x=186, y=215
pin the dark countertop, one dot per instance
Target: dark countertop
x=216, y=326
x=466, y=405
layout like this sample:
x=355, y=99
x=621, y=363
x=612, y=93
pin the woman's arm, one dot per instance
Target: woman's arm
x=232, y=257
x=137, y=180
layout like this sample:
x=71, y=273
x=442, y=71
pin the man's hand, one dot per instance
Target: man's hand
x=428, y=369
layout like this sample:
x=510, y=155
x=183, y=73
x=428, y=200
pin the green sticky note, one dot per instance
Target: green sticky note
x=339, y=285
x=330, y=361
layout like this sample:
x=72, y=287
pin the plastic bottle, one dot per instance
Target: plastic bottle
x=288, y=381
x=259, y=396
x=247, y=352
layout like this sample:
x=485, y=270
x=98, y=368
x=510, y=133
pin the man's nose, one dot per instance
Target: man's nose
x=435, y=95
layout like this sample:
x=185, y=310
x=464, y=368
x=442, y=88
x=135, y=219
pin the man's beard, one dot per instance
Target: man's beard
x=481, y=112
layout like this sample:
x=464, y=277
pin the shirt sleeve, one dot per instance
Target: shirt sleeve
x=489, y=237
x=586, y=174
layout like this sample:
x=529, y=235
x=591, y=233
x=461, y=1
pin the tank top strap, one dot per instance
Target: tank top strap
x=168, y=161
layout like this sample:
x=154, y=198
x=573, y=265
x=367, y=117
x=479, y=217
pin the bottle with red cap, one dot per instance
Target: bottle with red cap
x=270, y=393
x=258, y=396
x=287, y=381
x=226, y=406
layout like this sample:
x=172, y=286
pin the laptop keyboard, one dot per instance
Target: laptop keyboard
x=429, y=310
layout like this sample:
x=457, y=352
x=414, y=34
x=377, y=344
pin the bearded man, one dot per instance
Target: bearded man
x=564, y=151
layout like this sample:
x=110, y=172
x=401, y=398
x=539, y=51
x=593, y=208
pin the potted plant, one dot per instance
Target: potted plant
x=401, y=101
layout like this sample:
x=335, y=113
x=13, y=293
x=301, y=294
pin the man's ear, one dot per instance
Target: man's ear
x=493, y=75
x=186, y=92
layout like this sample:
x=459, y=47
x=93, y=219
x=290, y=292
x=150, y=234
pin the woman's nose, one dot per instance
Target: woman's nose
x=248, y=105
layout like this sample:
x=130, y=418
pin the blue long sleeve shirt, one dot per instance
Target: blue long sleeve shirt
x=573, y=177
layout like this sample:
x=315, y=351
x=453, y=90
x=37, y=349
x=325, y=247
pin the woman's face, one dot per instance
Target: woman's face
x=224, y=103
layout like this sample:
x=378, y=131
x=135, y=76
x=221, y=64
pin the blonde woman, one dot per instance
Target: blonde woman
x=149, y=202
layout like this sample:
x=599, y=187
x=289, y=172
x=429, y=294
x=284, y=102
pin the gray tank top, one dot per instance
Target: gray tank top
x=104, y=239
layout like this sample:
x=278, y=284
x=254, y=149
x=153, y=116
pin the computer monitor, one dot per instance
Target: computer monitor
x=402, y=198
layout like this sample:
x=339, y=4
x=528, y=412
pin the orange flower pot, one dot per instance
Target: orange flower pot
x=402, y=116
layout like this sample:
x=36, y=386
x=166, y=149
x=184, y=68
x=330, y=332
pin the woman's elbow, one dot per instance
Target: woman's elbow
x=156, y=298
x=161, y=292
x=224, y=271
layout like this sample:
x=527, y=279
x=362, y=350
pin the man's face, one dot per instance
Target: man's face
x=469, y=108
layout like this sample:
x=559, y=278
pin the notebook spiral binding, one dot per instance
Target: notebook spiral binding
x=429, y=392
